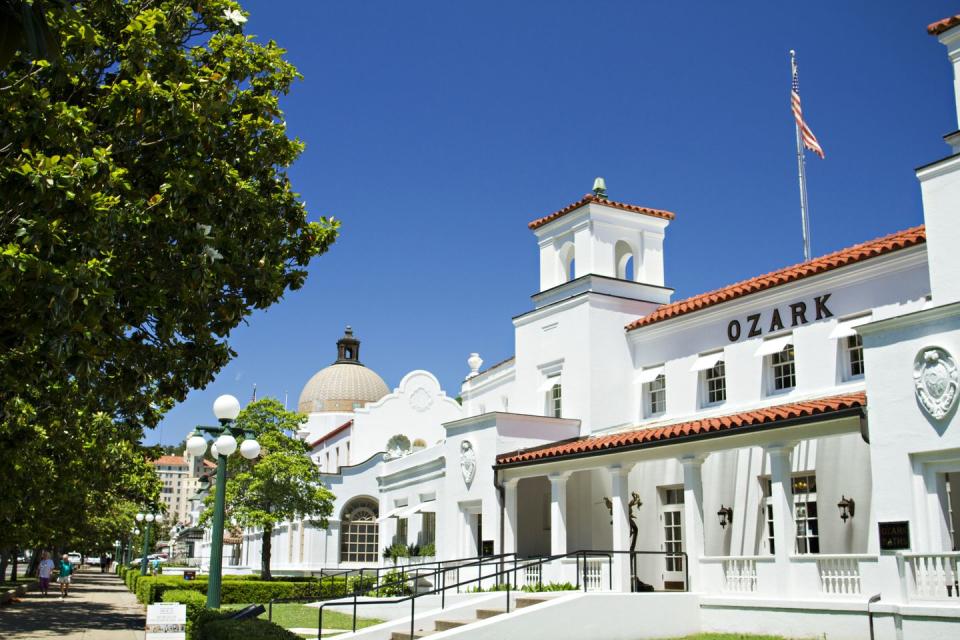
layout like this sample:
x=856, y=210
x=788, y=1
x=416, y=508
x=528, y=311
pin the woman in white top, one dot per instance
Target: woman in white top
x=46, y=568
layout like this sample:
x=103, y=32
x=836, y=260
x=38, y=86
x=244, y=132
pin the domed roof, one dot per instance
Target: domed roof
x=344, y=385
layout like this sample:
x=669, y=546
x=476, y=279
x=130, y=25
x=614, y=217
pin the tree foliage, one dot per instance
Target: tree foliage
x=145, y=212
x=282, y=484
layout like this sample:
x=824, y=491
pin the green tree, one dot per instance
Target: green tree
x=145, y=212
x=282, y=484
x=145, y=207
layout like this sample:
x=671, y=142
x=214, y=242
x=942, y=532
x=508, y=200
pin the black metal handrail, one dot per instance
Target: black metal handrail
x=444, y=586
x=434, y=567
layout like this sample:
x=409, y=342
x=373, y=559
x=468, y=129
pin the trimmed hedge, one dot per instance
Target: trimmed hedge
x=196, y=602
x=218, y=626
x=150, y=589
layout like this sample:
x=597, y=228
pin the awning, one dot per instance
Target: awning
x=774, y=345
x=427, y=507
x=548, y=383
x=394, y=513
x=649, y=374
x=847, y=328
x=708, y=361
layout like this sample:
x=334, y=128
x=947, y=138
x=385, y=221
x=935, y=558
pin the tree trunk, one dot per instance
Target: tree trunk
x=34, y=562
x=4, y=558
x=265, y=553
x=13, y=570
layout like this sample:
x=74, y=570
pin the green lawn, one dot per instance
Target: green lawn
x=290, y=615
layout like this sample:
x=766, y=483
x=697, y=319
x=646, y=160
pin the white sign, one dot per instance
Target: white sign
x=167, y=621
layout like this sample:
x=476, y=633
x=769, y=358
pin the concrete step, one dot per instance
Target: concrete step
x=483, y=614
x=443, y=625
x=405, y=635
x=529, y=602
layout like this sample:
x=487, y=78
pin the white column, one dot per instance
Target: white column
x=620, y=497
x=781, y=499
x=558, y=512
x=510, y=530
x=693, y=539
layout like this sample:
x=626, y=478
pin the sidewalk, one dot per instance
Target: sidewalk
x=99, y=607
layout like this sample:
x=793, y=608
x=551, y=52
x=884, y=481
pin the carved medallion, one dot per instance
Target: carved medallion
x=936, y=379
x=468, y=461
x=420, y=399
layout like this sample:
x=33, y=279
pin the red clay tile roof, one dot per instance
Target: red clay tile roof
x=940, y=26
x=209, y=464
x=331, y=434
x=659, y=435
x=656, y=213
x=842, y=258
x=173, y=460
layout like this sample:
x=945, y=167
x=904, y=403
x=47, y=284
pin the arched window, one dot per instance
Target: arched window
x=623, y=256
x=359, y=531
x=568, y=263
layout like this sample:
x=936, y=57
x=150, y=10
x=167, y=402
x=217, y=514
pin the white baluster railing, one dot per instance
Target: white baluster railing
x=531, y=574
x=593, y=574
x=740, y=575
x=933, y=576
x=839, y=575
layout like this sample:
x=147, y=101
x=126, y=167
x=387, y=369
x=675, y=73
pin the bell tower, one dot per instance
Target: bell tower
x=348, y=348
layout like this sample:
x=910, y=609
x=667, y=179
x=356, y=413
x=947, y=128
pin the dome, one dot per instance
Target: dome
x=344, y=385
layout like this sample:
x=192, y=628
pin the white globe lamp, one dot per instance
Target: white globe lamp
x=158, y=517
x=226, y=407
x=140, y=517
x=196, y=446
x=149, y=517
x=250, y=449
x=226, y=444
x=215, y=451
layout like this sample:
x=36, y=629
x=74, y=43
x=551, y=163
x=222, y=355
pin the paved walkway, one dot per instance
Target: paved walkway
x=99, y=607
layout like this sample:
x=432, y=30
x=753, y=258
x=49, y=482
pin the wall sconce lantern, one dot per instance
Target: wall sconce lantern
x=846, y=506
x=726, y=515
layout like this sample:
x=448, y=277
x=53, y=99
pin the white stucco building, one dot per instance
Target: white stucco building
x=787, y=445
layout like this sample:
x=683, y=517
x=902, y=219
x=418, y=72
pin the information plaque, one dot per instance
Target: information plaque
x=167, y=621
x=894, y=536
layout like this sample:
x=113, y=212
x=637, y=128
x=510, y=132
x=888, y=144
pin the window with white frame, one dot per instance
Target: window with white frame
x=805, y=514
x=428, y=528
x=401, y=536
x=853, y=356
x=783, y=375
x=655, y=395
x=554, y=397
x=715, y=384
x=359, y=531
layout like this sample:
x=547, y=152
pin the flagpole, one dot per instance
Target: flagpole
x=801, y=174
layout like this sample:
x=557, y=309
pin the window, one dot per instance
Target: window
x=359, y=532
x=805, y=514
x=784, y=375
x=555, y=397
x=347, y=461
x=428, y=529
x=401, y=536
x=715, y=384
x=853, y=346
x=656, y=395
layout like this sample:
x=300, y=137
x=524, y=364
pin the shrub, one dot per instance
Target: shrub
x=550, y=586
x=211, y=625
x=396, y=550
x=196, y=602
x=428, y=549
x=246, y=589
x=393, y=584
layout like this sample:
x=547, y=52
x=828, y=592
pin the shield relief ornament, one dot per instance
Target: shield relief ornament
x=468, y=461
x=936, y=380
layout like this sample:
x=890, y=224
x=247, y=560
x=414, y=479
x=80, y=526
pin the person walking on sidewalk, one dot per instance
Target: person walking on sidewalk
x=44, y=571
x=104, y=561
x=66, y=573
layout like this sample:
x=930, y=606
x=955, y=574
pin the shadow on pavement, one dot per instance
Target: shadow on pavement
x=96, y=601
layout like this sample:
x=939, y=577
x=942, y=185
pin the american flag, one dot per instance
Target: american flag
x=809, y=140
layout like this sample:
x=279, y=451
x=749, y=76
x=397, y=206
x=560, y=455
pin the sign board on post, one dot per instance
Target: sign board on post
x=167, y=621
x=894, y=536
x=189, y=575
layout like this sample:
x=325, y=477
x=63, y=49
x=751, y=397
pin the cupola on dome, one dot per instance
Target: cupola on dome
x=345, y=385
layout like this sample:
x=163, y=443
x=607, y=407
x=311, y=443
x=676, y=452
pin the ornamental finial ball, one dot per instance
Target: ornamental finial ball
x=792, y=52
x=226, y=407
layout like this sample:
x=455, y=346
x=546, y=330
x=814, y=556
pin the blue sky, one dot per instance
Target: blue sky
x=436, y=130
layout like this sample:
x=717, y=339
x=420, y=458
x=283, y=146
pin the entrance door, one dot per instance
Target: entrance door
x=672, y=517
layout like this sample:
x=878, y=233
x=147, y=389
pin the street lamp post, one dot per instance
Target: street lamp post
x=128, y=557
x=226, y=409
x=150, y=518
